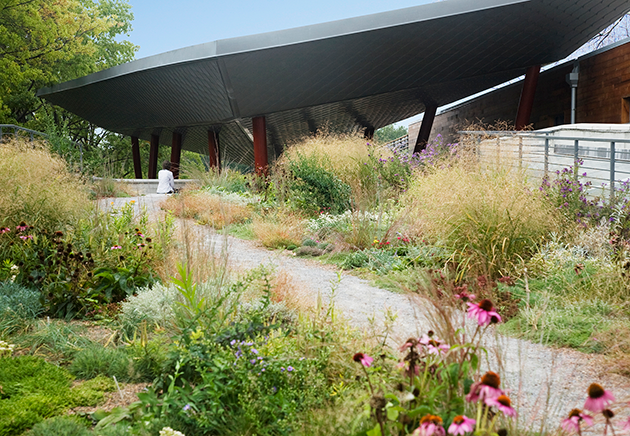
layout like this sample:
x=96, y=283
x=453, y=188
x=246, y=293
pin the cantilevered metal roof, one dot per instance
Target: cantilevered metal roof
x=352, y=74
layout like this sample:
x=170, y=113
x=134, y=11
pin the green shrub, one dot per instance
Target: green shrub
x=98, y=261
x=32, y=390
x=98, y=360
x=19, y=301
x=154, y=306
x=91, y=392
x=60, y=426
x=314, y=188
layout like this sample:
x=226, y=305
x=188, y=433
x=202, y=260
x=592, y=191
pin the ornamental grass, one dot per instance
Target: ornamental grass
x=38, y=186
x=492, y=218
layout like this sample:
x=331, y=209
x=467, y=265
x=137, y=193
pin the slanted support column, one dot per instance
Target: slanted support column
x=135, y=151
x=368, y=133
x=526, y=102
x=176, y=154
x=214, y=152
x=153, y=156
x=261, y=163
x=425, y=128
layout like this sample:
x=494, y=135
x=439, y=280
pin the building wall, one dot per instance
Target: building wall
x=603, y=97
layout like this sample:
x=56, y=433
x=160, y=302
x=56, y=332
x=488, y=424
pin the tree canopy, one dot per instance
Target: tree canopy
x=389, y=133
x=43, y=42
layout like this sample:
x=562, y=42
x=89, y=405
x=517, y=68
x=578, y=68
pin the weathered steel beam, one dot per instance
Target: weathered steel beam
x=261, y=163
x=425, y=128
x=214, y=152
x=176, y=153
x=526, y=103
x=135, y=151
x=153, y=156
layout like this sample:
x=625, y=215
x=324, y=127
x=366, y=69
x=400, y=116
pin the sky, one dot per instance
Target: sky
x=161, y=25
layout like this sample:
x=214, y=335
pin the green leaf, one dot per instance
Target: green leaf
x=376, y=431
x=393, y=412
x=420, y=411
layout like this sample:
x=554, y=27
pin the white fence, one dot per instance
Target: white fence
x=605, y=155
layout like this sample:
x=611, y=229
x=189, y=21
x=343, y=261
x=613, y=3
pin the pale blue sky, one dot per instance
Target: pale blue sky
x=163, y=25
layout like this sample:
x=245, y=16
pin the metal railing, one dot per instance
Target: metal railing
x=400, y=145
x=17, y=132
x=604, y=161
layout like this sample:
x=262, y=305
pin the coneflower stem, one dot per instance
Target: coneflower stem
x=479, y=405
x=367, y=376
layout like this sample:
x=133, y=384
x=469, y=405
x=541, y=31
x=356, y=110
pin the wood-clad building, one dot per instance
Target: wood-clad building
x=603, y=96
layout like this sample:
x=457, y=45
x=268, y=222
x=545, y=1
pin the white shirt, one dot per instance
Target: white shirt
x=166, y=182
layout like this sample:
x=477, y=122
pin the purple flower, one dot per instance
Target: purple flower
x=289, y=368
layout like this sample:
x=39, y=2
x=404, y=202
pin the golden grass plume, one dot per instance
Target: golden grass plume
x=37, y=186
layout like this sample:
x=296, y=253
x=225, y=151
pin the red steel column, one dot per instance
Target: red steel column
x=261, y=163
x=135, y=151
x=526, y=103
x=425, y=128
x=214, y=153
x=176, y=154
x=153, y=156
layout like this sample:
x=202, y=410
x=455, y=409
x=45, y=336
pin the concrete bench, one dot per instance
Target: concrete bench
x=147, y=186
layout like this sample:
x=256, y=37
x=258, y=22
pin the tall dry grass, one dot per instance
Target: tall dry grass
x=37, y=187
x=345, y=156
x=279, y=231
x=490, y=217
x=207, y=208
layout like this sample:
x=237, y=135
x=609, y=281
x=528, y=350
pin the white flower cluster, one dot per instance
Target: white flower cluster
x=14, y=272
x=555, y=256
x=167, y=431
x=234, y=197
x=341, y=223
x=6, y=348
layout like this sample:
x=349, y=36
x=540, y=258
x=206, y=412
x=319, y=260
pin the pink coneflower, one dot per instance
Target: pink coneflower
x=5, y=230
x=483, y=312
x=409, y=343
x=465, y=296
x=21, y=227
x=434, y=345
x=598, y=398
x=116, y=247
x=24, y=238
x=461, y=425
x=487, y=387
x=430, y=425
x=363, y=359
x=576, y=416
x=503, y=403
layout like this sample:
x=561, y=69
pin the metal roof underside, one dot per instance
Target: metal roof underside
x=347, y=75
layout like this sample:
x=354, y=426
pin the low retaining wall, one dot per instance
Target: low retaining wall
x=148, y=186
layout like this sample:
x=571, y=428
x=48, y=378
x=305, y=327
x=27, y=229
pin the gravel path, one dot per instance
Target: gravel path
x=543, y=381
